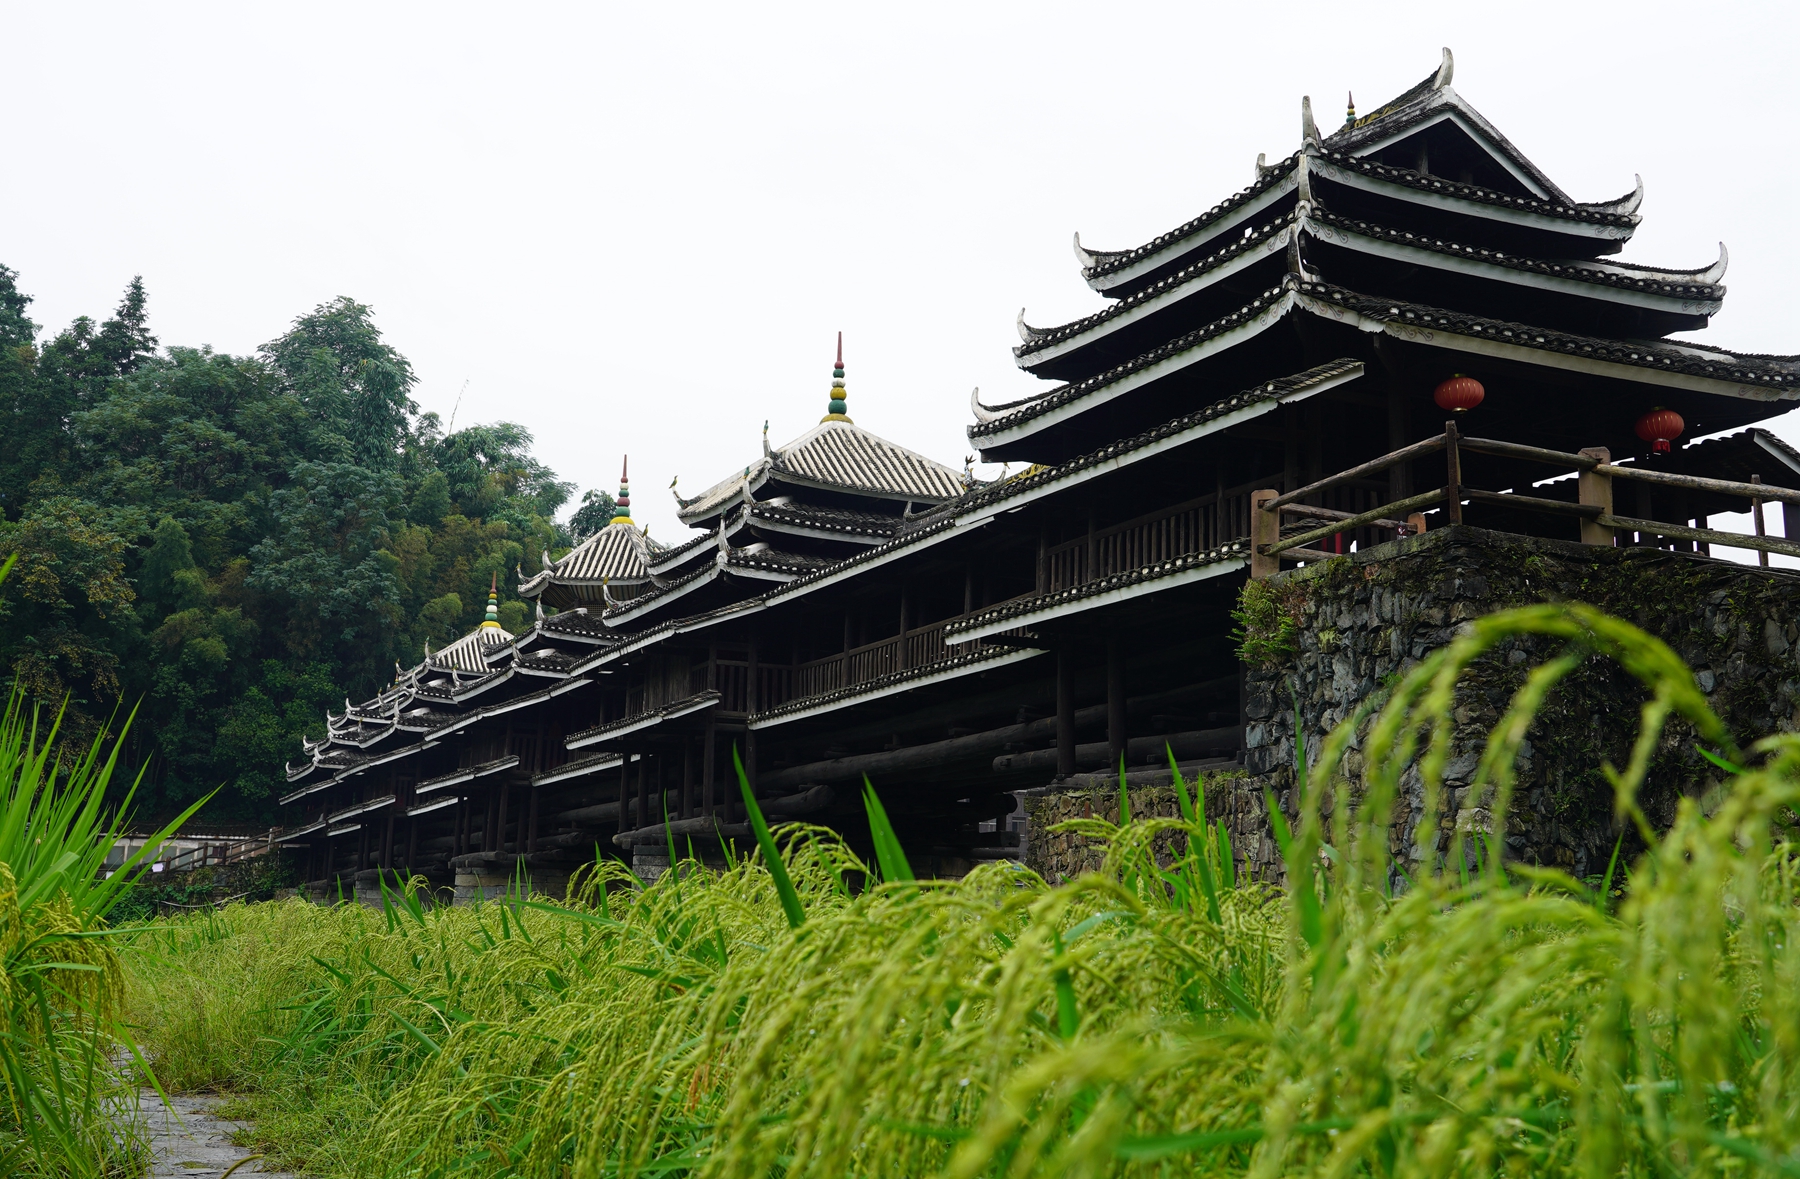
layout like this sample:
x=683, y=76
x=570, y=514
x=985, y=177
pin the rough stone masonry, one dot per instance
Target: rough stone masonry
x=1366, y=619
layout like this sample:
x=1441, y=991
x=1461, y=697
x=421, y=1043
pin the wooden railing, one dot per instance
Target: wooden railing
x=1191, y=527
x=1593, y=505
x=871, y=661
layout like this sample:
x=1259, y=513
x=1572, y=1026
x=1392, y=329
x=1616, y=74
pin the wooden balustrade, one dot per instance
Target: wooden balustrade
x=1191, y=527
x=1593, y=506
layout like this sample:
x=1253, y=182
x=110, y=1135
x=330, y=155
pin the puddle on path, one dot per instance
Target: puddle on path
x=186, y=1139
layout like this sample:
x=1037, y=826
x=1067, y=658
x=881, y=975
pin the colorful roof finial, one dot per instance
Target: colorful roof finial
x=838, y=406
x=493, y=610
x=1350, y=114
x=622, y=505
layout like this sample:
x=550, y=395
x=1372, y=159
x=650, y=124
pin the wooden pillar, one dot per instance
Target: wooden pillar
x=755, y=697
x=1115, y=705
x=709, y=756
x=1265, y=530
x=1399, y=475
x=1065, y=712
x=412, y=844
x=1452, y=475
x=1596, y=489
x=968, y=589
x=686, y=809
x=1043, y=571
x=643, y=792
x=362, y=846
x=531, y=838
x=905, y=603
x=1756, y=517
x=387, y=840
x=505, y=789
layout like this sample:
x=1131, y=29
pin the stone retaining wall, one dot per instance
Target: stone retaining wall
x=1369, y=618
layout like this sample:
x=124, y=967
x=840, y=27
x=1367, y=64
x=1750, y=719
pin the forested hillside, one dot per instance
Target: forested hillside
x=236, y=543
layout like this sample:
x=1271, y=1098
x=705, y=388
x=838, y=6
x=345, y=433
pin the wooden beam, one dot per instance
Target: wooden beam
x=1765, y=544
x=1696, y=483
x=1096, y=755
x=1403, y=455
x=1398, y=508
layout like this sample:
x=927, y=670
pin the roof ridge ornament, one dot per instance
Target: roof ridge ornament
x=1445, y=71
x=1309, y=130
x=982, y=413
x=1083, y=256
x=1262, y=164
x=838, y=411
x=1627, y=204
x=1716, y=271
x=492, y=620
x=1350, y=108
x=622, y=505
x=1027, y=333
x=767, y=452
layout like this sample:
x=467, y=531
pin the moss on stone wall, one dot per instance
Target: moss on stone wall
x=1371, y=616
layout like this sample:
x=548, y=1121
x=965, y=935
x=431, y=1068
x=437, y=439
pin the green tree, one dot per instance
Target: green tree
x=595, y=513
x=333, y=362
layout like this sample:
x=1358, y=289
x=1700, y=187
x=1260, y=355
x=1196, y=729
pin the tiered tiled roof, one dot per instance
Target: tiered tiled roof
x=618, y=553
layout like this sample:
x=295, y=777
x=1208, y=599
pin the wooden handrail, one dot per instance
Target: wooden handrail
x=1698, y=483
x=1536, y=454
x=1404, y=454
x=1533, y=503
x=1734, y=540
x=1332, y=514
x=1399, y=507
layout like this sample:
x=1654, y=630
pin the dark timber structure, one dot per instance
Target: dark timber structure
x=1258, y=388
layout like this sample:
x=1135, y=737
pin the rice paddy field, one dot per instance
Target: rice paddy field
x=811, y=1014
x=803, y=1012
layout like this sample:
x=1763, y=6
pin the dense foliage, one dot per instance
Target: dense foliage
x=241, y=541
x=61, y=988
x=1450, y=1015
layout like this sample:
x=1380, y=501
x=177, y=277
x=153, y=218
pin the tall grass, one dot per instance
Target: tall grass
x=64, y=1107
x=1440, y=1013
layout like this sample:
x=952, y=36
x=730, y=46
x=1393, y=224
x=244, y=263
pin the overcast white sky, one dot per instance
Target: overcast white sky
x=636, y=228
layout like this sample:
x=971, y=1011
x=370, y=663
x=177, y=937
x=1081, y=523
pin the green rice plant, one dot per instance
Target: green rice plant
x=1408, y=1003
x=61, y=986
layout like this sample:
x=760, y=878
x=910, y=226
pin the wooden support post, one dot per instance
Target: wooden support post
x=1043, y=573
x=643, y=793
x=1790, y=521
x=1756, y=514
x=531, y=838
x=750, y=733
x=1453, y=475
x=1065, y=712
x=708, y=762
x=1115, y=704
x=905, y=604
x=412, y=844
x=1415, y=524
x=387, y=841
x=686, y=809
x=1398, y=475
x=500, y=817
x=1596, y=490
x=1265, y=529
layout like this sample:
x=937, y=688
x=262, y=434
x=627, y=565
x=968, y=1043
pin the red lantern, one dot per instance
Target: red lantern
x=1660, y=427
x=1459, y=394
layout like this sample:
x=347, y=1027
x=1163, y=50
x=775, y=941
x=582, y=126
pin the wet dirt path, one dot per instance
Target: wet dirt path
x=186, y=1139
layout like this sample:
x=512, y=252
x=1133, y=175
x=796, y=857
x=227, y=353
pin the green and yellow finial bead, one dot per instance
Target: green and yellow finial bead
x=838, y=410
x=493, y=606
x=622, y=505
